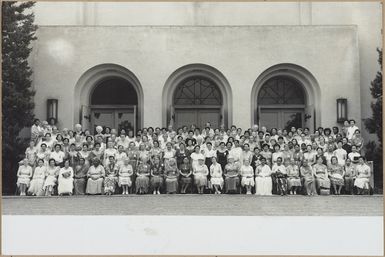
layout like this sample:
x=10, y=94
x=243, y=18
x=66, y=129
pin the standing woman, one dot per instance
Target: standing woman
x=157, y=172
x=24, y=175
x=200, y=172
x=195, y=156
x=231, y=175
x=95, y=176
x=171, y=174
x=65, y=180
x=80, y=177
x=350, y=174
x=111, y=173
x=169, y=152
x=51, y=177
x=180, y=154
x=185, y=172
x=293, y=179
x=308, y=177
x=321, y=175
x=216, y=174
x=37, y=182
x=125, y=175
x=247, y=174
x=222, y=154
x=336, y=173
x=142, y=179
x=263, y=182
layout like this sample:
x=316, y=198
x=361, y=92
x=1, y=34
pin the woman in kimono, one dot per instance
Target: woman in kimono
x=363, y=174
x=142, y=179
x=231, y=175
x=37, y=182
x=350, y=174
x=336, y=174
x=125, y=176
x=321, y=175
x=200, y=172
x=293, y=179
x=95, y=176
x=263, y=181
x=171, y=174
x=185, y=172
x=157, y=172
x=80, y=177
x=308, y=177
x=216, y=174
x=110, y=179
x=65, y=179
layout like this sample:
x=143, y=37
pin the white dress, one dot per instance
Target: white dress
x=65, y=185
x=263, y=184
x=362, y=182
x=216, y=174
x=247, y=175
x=37, y=182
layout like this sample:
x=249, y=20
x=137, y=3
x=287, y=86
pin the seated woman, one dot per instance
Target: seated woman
x=308, y=177
x=216, y=175
x=51, y=177
x=80, y=177
x=37, y=182
x=321, y=175
x=125, y=175
x=95, y=176
x=247, y=175
x=24, y=175
x=293, y=179
x=263, y=182
x=363, y=176
x=200, y=172
x=157, y=173
x=142, y=179
x=350, y=175
x=336, y=174
x=65, y=179
x=110, y=179
x=171, y=174
x=280, y=177
x=185, y=172
x=231, y=175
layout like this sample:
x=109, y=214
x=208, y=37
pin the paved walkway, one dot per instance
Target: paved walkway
x=243, y=205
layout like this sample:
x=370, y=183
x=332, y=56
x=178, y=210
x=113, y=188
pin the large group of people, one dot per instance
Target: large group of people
x=189, y=159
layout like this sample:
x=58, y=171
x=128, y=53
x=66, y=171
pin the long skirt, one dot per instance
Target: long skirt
x=309, y=185
x=142, y=183
x=232, y=184
x=79, y=186
x=156, y=182
x=281, y=185
x=200, y=181
x=65, y=186
x=171, y=185
x=94, y=186
x=337, y=180
x=217, y=181
x=323, y=183
x=125, y=181
x=293, y=182
x=247, y=181
x=349, y=184
x=36, y=187
x=264, y=186
x=362, y=183
x=109, y=184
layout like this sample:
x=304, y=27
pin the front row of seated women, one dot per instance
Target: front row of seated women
x=155, y=176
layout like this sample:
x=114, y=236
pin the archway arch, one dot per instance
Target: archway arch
x=300, y=78
x=109, y=75
x=216, y=92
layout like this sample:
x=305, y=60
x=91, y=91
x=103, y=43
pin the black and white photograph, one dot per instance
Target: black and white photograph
x=192, y=128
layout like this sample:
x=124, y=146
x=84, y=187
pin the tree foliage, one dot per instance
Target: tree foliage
x=18, y=32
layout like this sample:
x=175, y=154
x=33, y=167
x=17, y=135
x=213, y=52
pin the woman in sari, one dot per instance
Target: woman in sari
x=95, y=176
x=336, y=174
x=80, y=177
x=157, y=172
x=111, y=176
x=321, y=175
x=263, y=182
x=125, y=176
x=231, y=175
x=308, y=177
x=200, y=172
x=293, y=179
x=279, y=177
x=363, y=176
x=171, y=174
x=142, y=180
x=65, y=179
x=185, y=172
x=350, y=174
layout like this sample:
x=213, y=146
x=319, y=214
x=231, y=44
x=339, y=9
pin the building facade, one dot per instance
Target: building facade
x=154, y=64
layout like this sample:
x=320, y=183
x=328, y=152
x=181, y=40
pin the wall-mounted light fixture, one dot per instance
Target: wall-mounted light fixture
x=342, y=110
x=52, y=109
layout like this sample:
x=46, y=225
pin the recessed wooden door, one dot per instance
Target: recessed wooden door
x=281, y=118
x=199, y=117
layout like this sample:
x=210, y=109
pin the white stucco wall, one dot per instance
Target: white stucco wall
x=241, y=53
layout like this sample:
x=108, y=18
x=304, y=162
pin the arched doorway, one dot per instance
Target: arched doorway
x=197, y=100
x=285, y=95
x=197, y=93
x=114, y=104
x=108, y=88
x=281, y=103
